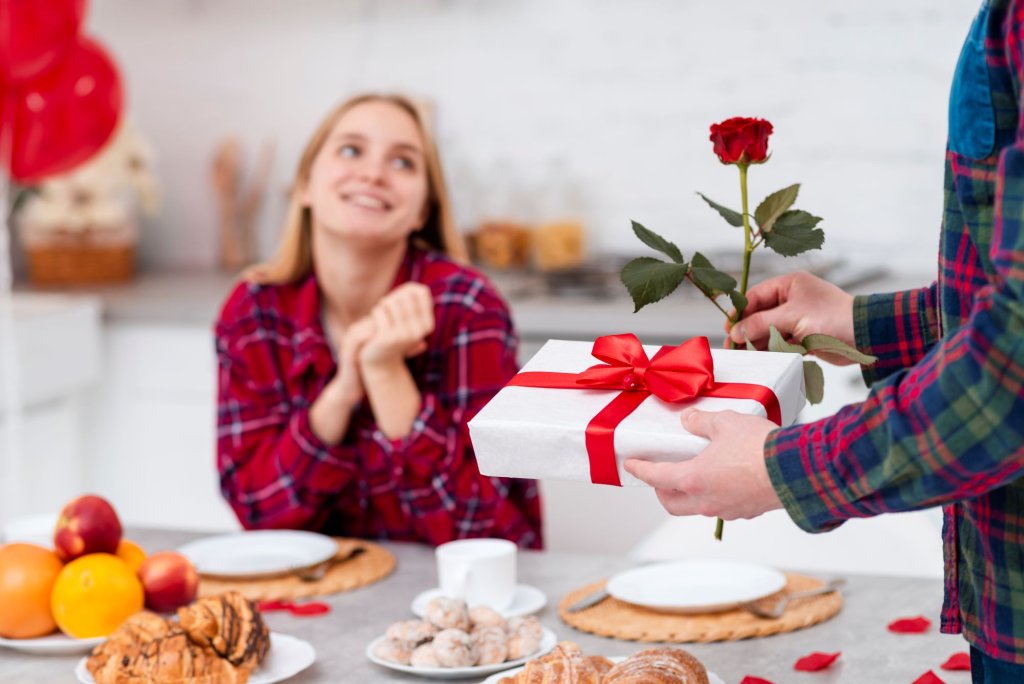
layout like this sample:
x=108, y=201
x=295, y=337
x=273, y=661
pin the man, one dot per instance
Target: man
x=944, y=422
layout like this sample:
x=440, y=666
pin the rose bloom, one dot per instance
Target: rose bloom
x=741, y=140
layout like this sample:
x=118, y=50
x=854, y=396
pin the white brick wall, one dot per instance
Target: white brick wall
x=621, y=93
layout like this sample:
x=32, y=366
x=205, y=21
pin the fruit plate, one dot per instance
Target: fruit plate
x=547, y=642
x=288, y=657
x=53, y=644
x=494, y=679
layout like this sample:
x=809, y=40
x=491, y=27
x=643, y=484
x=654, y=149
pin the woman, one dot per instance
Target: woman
x=351, y=363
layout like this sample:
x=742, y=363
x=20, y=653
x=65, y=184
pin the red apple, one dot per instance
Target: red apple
x=88, y=524
x=169, y=580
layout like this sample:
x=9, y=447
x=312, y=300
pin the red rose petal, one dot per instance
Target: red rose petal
x=957, y=661
x=750, y=679
x=310, y=608
x=267, y=606
x=928, y=677
x=816, y=661
x=914, y=625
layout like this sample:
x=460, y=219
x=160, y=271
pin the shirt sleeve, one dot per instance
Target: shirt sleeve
x=274, y=471
x=436, y=482
x=948, y=428
x=899, y=328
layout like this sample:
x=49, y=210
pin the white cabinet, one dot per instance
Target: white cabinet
x=44, y=375
x=152, y=429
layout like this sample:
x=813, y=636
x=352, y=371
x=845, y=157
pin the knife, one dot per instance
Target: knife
x=588, y=601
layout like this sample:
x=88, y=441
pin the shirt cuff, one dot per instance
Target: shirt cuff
x=423, y=427
x=336, y=456
x=804, y=492
x=899, y=328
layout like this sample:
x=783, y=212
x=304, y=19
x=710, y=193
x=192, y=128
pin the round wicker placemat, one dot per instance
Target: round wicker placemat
x=373, y=564
x=618, y=620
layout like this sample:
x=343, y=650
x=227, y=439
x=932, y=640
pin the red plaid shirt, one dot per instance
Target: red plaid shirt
x=274, y=360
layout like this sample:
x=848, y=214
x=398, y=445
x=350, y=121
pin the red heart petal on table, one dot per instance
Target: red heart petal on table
x=267, y=606
x=816, y=661
x=311, y=608
x=755, y=680
x=958, y=661
x=914, y=625
x=928, y=677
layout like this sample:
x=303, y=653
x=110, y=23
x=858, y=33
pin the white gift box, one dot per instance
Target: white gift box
x=540, y=433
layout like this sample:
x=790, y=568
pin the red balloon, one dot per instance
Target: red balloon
x=35, y=35
x=63, y=118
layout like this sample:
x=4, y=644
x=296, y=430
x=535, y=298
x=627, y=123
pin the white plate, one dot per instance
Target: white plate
x=258, y=553
x=53, y=644
x=494, y=679
x=526, y=601
x=695, y=586
x=547, y=642
x=288, y=657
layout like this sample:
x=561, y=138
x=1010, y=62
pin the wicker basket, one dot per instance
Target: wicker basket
x=79, y=260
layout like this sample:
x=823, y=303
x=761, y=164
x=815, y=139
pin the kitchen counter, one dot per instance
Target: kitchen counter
x=869, y=652
x=195, y=298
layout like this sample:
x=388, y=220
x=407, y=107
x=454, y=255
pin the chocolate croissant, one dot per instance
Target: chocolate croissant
x=230, y=625
x=148, y=648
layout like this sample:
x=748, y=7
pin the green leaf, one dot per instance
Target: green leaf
x=825, y=343
x=649, y=279
x=750, y=345
x=814, y=382
x=656, y=242
x=709, y=279
x=734, y=218
x=773, y=206
x=776, y=343
x=794, y=233
x=739, y=302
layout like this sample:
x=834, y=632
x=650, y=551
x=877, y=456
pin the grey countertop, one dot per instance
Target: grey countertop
x=194, y=299
x=869, y=652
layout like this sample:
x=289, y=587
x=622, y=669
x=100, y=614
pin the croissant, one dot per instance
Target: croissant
x=658, y=666
x=565, y=664
x=148, y=649
x=230, y=625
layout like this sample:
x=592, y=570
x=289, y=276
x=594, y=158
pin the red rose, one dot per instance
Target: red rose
x=740, y=140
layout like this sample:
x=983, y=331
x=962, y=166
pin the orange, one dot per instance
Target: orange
x=94, y=594
x=131, y=553
x=27, y=574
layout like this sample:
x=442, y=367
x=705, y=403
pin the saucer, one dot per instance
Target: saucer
x=526, y=601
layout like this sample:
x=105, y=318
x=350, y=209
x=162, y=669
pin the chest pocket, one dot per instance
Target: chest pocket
x=972, y=121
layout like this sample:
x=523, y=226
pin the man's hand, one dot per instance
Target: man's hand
x=797, y=304
x=728, y=479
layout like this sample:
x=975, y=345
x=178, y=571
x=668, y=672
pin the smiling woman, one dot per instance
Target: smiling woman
x=351, y=362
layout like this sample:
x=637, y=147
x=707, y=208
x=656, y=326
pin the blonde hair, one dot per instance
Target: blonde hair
x=294, y=257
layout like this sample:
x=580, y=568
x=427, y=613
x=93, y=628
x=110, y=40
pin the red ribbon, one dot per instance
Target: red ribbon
x=674, y=375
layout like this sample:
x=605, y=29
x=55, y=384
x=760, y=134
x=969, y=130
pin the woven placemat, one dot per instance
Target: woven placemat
x=618, y=620
x=373, y=564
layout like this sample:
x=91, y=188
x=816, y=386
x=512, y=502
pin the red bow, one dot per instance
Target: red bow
x=674, y=375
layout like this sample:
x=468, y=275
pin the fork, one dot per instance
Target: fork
x=317, y=572
x=779, y=607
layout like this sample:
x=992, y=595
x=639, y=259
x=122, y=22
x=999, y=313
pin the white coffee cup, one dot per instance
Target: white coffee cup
x=479, y=571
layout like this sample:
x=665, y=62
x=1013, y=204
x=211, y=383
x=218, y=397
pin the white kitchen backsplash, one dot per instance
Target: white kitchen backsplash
x=615, y=96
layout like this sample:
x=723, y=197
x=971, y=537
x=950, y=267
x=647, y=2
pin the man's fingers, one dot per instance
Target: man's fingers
x=755, y=327
x=700, y=423
x=658, y=475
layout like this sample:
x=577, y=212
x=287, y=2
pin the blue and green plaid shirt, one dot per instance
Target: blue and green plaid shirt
x=944, y=421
